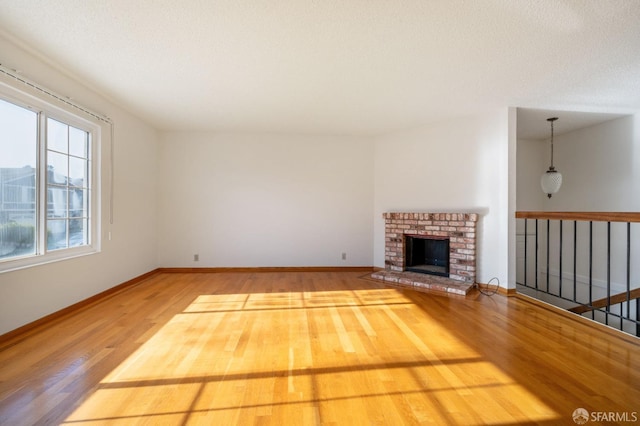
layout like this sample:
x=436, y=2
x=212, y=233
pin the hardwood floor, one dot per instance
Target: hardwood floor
x=313, y=348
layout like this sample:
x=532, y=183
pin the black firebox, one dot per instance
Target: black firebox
x=427, y=255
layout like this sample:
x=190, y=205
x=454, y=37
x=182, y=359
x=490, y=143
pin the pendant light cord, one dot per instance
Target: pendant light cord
x=552, y=144
x=551, y=120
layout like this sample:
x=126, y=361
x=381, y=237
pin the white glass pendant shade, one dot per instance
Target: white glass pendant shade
x=551, y=182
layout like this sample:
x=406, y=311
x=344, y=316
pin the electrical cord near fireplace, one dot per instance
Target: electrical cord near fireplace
x=490, y=290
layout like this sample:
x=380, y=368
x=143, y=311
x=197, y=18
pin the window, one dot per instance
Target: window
x=67, y=185
x=47, y=190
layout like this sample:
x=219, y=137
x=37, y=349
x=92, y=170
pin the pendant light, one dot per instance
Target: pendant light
x=551, y=180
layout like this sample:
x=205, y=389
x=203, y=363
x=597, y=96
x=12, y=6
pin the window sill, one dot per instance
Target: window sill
x=10, y=265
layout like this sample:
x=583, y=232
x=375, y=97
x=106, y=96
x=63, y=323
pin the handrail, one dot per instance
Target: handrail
x=586, y=216
x=604, y=302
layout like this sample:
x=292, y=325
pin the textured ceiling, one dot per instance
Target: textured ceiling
x=350, y=67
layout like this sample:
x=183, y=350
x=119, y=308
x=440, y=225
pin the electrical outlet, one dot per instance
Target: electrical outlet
x=196, y=257
x=344, y=256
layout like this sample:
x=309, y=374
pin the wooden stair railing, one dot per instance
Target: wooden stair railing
x=604, y=302
x=582, y=216
x=542, y=254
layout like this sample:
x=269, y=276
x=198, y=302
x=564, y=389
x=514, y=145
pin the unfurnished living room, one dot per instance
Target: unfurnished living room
x=319, y=212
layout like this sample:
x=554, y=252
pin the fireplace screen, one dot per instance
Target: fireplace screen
x=427, y=255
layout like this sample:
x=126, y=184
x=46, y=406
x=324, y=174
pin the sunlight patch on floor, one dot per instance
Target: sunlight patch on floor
x=308, y=356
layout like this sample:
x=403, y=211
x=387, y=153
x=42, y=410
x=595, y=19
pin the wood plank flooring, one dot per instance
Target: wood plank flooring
x=304, y=348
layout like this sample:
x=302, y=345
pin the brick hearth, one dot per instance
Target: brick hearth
x=460, y=228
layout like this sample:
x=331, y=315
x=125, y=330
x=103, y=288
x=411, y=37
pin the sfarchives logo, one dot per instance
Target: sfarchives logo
x=582, y=416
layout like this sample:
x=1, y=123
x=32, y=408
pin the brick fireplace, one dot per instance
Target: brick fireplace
x=459, y=228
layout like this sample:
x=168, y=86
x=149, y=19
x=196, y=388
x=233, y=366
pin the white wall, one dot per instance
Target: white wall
x=265, y=200
x=600, y=167
x=460, y=165
x=532, y=162
x=32, y=293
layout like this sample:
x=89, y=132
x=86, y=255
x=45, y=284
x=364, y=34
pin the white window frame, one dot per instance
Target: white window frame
x=66, y=114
